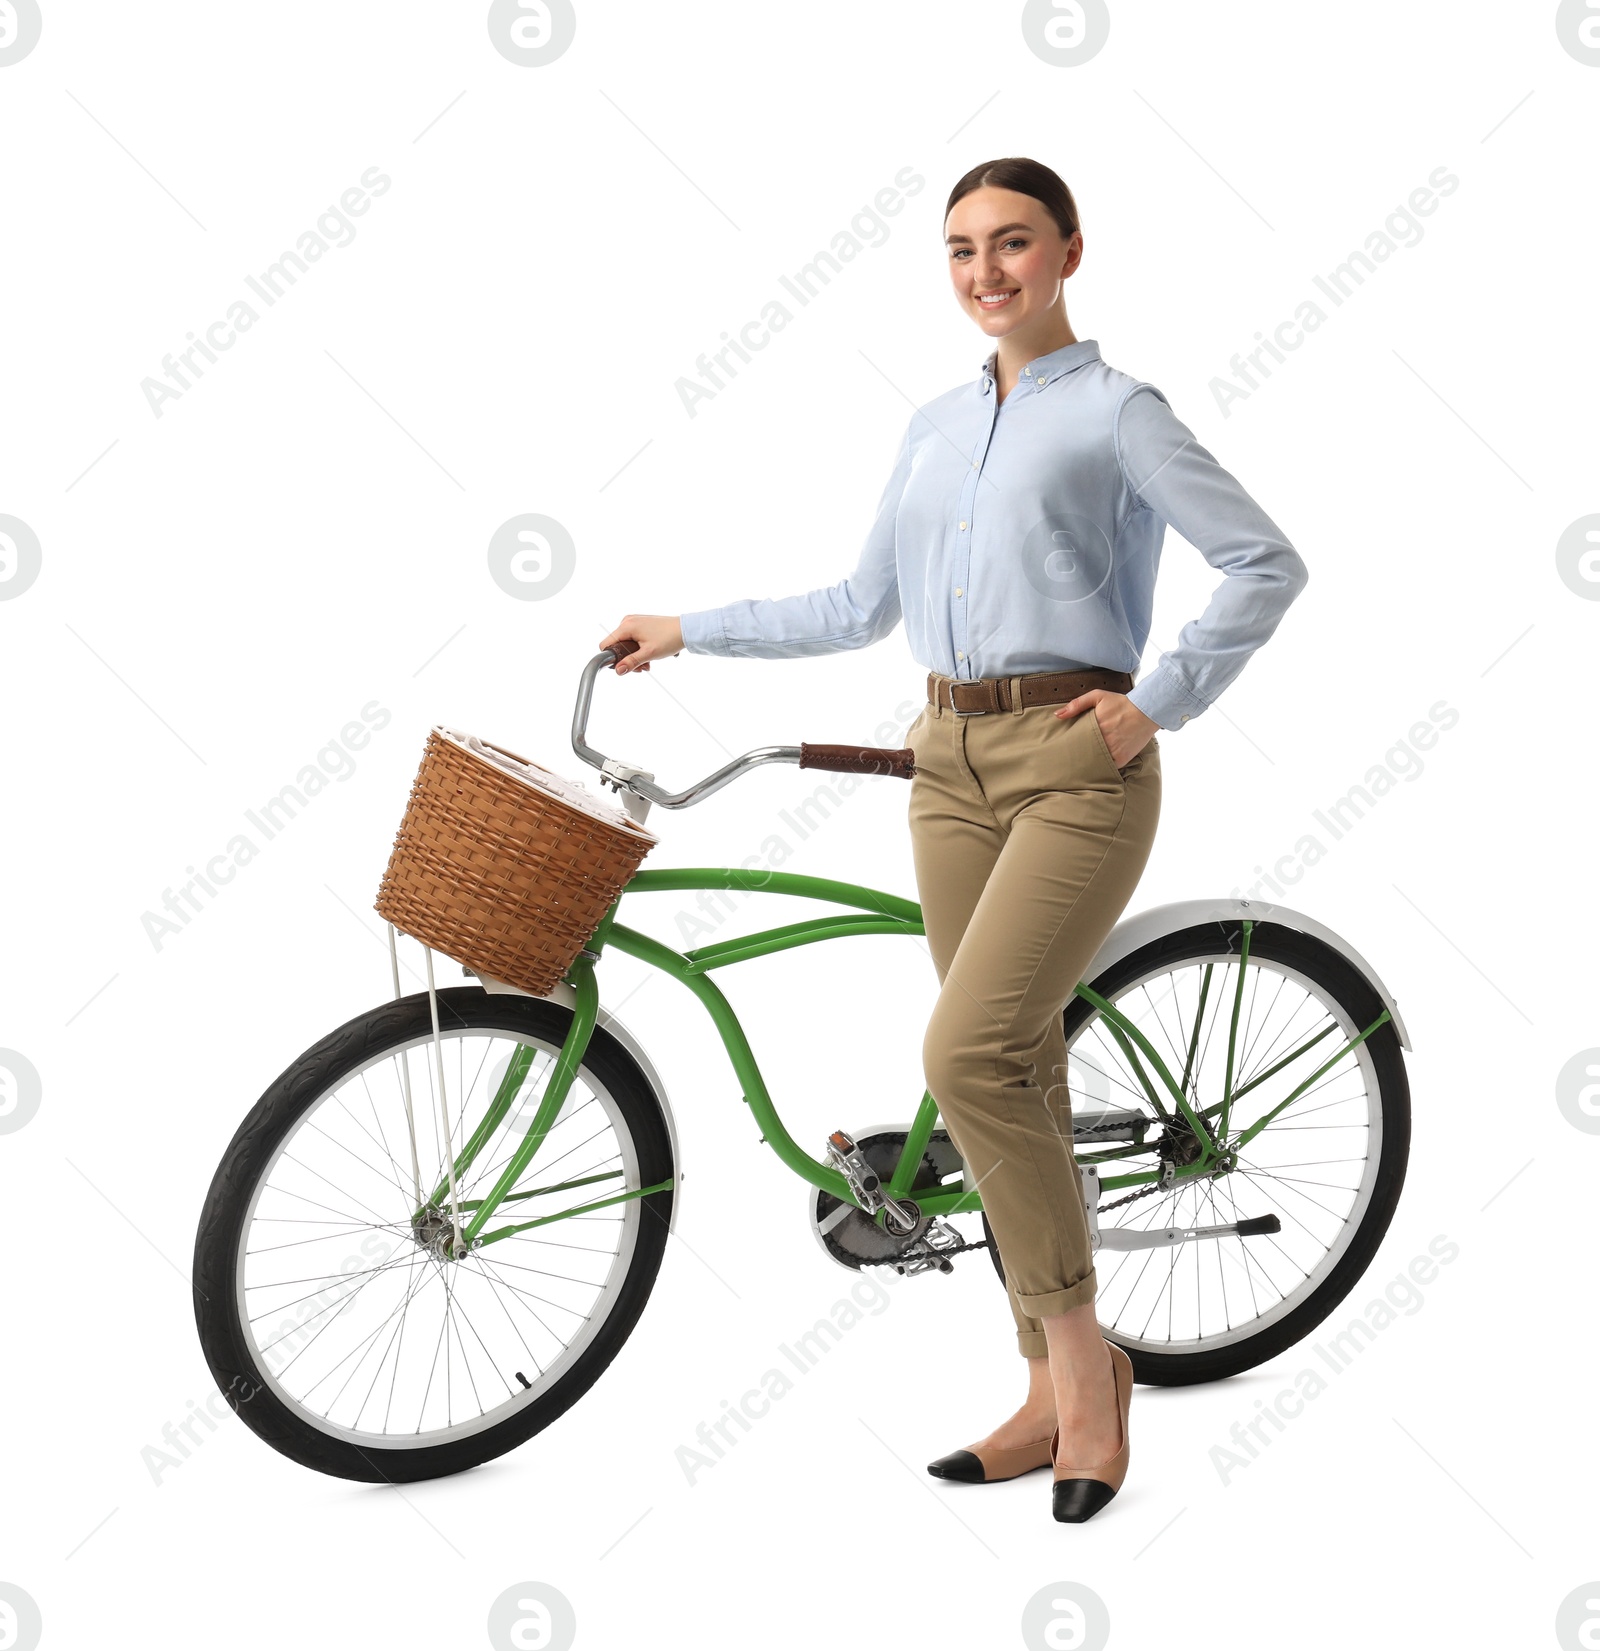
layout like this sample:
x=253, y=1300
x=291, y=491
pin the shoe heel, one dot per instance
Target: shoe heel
x=1079, y=1493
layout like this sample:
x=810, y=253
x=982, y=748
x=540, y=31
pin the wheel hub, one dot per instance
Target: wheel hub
x=434, y=1233
x=1179, y=1143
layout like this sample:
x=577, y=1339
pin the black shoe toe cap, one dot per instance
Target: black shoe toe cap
x=1074, y=1500
x=959, y=1464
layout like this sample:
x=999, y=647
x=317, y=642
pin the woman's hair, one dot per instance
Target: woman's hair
x=1026, y=177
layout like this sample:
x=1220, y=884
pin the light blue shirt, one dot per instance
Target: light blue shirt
x=1024, y=535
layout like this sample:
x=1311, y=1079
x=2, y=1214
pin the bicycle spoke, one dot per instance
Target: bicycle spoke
x=1165, y=1297
x=491, y=1174
x=398, y=1319
x=342, y=1307
x=321, y=1278
x=499, y=1301
x=365, y=1164
x=446, y=1344
x=365, y=1342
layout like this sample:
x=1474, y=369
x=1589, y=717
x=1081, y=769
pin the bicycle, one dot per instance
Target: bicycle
x=401, y=1276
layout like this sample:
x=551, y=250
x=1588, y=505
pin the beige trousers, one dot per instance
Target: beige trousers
x=1028, y=842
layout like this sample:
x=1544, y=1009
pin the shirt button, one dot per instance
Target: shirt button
x=1043, y=382
x=1184, y=717
x=963, y=527
x=958, y=590
x=959, y=654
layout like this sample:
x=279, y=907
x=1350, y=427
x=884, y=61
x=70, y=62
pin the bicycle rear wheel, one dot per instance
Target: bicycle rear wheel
x=335, y=1321
x=1330, y=1166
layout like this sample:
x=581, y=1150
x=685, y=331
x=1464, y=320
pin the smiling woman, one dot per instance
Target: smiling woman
x=1019, y=536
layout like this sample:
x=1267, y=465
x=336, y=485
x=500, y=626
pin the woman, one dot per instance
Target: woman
x=1019, y=537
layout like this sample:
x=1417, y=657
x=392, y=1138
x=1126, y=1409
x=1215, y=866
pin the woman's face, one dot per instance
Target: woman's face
x=1007, y=258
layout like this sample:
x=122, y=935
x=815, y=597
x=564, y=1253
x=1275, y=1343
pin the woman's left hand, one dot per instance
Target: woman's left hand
x=1124, y=727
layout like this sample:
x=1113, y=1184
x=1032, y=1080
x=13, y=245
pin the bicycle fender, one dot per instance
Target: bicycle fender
x=1143, y=927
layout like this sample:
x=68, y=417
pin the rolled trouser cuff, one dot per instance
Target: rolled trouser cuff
x=1059, y=1301
x=1031, y=1344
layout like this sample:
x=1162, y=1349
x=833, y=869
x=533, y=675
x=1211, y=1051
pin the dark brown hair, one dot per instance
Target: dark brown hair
x=1026, y=177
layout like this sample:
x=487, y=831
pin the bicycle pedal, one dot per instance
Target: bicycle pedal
x=928, y=1251
x=847, y=1158
x=900, y=1216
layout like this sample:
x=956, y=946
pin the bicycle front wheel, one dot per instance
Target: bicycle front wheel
x=331, y=1312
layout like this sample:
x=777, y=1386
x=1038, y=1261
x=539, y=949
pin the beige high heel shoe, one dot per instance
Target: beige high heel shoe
x=1079, y=1493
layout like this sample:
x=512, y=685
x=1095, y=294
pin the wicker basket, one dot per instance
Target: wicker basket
x=503, y=865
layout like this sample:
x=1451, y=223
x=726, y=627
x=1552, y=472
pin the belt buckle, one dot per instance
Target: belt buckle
x=976, y=711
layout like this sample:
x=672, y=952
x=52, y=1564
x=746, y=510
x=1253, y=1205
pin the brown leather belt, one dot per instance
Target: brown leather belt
x=993, y=693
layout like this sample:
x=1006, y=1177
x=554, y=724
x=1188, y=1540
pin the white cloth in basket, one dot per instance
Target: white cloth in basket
x=573, y=792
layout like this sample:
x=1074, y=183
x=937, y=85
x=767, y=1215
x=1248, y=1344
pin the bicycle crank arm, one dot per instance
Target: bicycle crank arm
x=900, y=1215
x=1126, y=1238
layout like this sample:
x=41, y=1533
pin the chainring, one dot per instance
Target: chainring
x=854, y=1239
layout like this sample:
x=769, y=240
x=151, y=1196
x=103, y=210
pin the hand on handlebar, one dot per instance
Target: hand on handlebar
x=657, y=636
x=643, y=636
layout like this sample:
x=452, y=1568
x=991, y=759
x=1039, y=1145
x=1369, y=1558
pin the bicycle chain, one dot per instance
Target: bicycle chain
x=1141, y=1192
x=955, y=1249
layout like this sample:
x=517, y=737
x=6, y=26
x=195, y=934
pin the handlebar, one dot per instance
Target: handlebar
x=639, y=783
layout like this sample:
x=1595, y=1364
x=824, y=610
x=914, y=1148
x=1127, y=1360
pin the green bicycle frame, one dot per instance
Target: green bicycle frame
x=876, y=913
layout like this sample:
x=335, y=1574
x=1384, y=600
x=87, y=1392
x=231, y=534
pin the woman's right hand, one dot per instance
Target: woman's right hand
x=658, y=635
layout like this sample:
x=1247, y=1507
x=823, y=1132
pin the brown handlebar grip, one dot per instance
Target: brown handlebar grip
x=621, y=650
x=859, y=759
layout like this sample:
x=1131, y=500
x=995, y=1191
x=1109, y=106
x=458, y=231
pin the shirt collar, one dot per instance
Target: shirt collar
x=1045, y=369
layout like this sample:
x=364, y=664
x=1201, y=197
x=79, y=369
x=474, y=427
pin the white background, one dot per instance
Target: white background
x=222, y=588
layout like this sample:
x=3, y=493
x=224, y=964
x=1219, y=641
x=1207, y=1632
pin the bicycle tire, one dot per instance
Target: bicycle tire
x=352, y=1048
